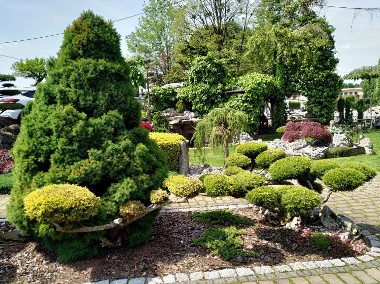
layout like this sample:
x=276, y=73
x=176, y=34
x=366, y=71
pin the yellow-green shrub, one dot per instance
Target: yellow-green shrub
x=268, y=157
x=131, y=209
x=170, y=144
x=293, y=167
x=238, y=160
x=158, y=196
x=183, y=186
x=320, y=167
x=217, y=185
x=368, y=171
x=58, y=203
x=251, y=149
x=243, y=182
x=233, y=170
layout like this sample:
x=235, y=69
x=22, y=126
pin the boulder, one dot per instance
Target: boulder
x=367, y=145
x=341, y=140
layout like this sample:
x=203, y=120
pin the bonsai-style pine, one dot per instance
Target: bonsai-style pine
x=83, y=129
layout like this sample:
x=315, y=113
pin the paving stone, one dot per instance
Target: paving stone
x=316, y=280
x=374, y=273
x=181, y=277
x=365, y=233
x=101, y=282
x=323, y=263
x=332, y=279
x=263, y=269
x=300, y=280
x=375, y=249
x=350, y=260
x=348, y=278
x=364, y=277
x=140, y=280
x=168, y=278
x=297, y=266
x=244, y=271
x=337, y=262
x=374, y=254
x=375, y=244
x=155, y=280
x=372, y=237
x=365, y=258
x=310, y=264
x=265, y=282
x=196, y=275
x=212, y=274
x=282, y=268
x=119, y=281
x=283, y=281
x=227, y=273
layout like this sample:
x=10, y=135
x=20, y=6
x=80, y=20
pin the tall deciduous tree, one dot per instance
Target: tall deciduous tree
x=294, y=45
x=31, y=68
x=153, y=38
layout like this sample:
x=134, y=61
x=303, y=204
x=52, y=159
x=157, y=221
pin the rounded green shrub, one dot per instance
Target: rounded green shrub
x=170, y=144
x=280, y=129
x=268, y=157
x=368, y=171
x=343, y=179
x=293, y=167
x=251, y=149
x=83, y=128
x=233, y=170
x=183, y=186
x=298, y=200
x=131, y=209
x=217, y=185
x=266, y=196
x=61, y=203
x=243, y=182
x=159, y=196
x=320, y=167
x=238, y=160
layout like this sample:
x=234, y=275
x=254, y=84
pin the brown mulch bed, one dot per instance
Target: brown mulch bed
x=168, y=251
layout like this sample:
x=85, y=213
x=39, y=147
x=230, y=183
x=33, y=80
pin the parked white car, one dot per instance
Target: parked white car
x=12, y=116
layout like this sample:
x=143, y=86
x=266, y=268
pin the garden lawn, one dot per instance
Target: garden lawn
x=370, y=160
x=5, y=183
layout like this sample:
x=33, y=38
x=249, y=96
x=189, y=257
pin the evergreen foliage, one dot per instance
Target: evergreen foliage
x=293, y=167
x=268, y=157
x=83, y=129
x=343, y=178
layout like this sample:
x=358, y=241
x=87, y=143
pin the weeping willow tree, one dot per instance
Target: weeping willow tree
x=219, y=127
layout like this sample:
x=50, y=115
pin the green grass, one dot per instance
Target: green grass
x=221, y=217
x=370, y=160
x=6, y=181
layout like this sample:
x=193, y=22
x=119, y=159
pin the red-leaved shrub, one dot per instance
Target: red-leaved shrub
x=146, y=125
x=6, y=161
x=306, y=129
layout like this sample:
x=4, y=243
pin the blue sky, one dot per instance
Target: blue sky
x=357, y=33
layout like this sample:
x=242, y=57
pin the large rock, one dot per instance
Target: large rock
x=184, y=159
x=367, y=145
x=181, y=123
x=341, y=140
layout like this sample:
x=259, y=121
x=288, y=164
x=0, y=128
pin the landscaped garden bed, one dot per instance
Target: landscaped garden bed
x=170, y=250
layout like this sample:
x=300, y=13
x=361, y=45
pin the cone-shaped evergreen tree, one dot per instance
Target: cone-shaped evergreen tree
x=83, y=128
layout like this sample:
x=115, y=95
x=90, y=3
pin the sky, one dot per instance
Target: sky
x=357, y=32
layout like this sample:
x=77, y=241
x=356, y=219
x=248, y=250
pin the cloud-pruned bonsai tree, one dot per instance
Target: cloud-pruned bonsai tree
x=83, y=129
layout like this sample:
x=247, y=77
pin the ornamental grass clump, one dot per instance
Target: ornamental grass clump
x=183, y=186
x=343, y=179
x=83, y=128
x=268, y=157
x=293, y=167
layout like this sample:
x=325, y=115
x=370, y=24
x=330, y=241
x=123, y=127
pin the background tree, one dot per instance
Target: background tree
x=31, y=68
x=153, y=38
x=295, y=46
x=6, y=77
x=340, y=107
x=220, y=126
x=207, y=81
x=83, y=129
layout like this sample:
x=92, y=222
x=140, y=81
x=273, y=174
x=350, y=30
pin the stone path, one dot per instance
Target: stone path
x=362, y=205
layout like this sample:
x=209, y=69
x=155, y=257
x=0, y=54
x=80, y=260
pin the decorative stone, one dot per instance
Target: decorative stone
x=367, y=145
x=184, y=159
x=341, y=140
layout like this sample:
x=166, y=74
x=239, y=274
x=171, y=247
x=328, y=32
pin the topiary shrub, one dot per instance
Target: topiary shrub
x=243, y=182
x=280, y=129
x=343, y=179
x=83, y=128
x=266, y=196
x=159, y=196
x=238, y=160
x=293, y=167
x=268, y=157
x=170, y=144
x=217, y=185
x=233, y=170
x=320, y=167
x=131, y=209
x=251, y=149
x=298, y=200
x=368, y=171
x=61, y=203
x=183, y=186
